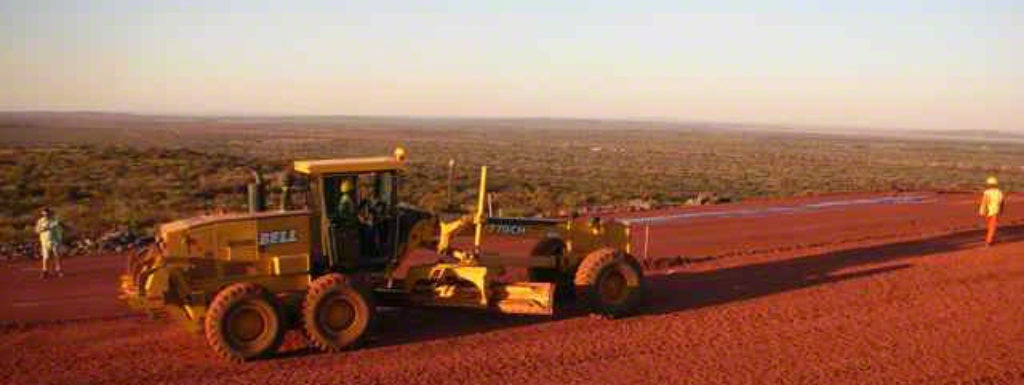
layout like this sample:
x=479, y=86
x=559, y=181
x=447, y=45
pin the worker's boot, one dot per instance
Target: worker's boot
x=60, y=273
x=44, y=274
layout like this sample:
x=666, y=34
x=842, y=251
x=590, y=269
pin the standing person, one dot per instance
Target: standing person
x=992, y=201
x=50, y=237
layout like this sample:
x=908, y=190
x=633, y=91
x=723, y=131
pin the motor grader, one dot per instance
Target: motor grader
x=243, y=279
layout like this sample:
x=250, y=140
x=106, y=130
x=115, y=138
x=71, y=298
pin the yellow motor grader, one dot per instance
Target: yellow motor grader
x=244, y=279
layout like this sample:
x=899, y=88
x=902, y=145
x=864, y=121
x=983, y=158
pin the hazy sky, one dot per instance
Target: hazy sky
x=885, y=64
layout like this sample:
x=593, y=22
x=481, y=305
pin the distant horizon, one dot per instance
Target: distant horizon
x=668, y=121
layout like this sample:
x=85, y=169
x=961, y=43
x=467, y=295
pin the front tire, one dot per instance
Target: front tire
x=336, y=315
x=244, y=322
x=609, y=283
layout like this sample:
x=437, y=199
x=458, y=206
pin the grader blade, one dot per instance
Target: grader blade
x=536, y=298
x=448, y=285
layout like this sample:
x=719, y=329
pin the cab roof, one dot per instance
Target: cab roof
x=337, y=166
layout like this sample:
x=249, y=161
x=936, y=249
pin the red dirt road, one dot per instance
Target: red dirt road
x=760, y=292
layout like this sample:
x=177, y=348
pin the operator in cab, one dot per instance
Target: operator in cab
x=346, y=215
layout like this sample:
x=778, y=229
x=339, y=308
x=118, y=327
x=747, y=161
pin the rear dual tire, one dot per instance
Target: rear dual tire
x=244, y=322
x=336, y=314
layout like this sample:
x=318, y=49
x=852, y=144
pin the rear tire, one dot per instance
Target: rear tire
x=244, y=322
x=335, y=314
x=609, y=283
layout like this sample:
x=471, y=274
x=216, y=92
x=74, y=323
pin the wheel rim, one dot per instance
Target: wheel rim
x=246, y=324
x=336, y=315
x=613, y=286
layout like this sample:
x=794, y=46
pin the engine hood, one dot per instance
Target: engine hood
x=181, y=225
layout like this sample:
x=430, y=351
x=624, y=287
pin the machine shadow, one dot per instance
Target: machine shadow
x=675, y=292
x=681, y=291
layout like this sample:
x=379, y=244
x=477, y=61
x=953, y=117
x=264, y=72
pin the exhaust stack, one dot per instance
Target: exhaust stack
x=255, y=189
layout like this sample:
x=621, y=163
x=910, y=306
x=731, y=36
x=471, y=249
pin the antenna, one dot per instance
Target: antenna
x=451, y=180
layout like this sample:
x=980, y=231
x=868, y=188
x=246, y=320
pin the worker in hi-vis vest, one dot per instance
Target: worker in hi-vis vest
x=992, y=201
x=51, y=235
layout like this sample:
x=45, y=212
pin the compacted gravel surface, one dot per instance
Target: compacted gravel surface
x=827, y=290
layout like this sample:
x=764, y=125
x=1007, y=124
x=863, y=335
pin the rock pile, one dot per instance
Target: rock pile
x=116, y=241
x=707, y=198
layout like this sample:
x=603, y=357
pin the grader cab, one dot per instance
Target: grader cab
x=244, y=279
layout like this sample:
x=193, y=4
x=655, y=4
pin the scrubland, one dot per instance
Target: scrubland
x=102, y=171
